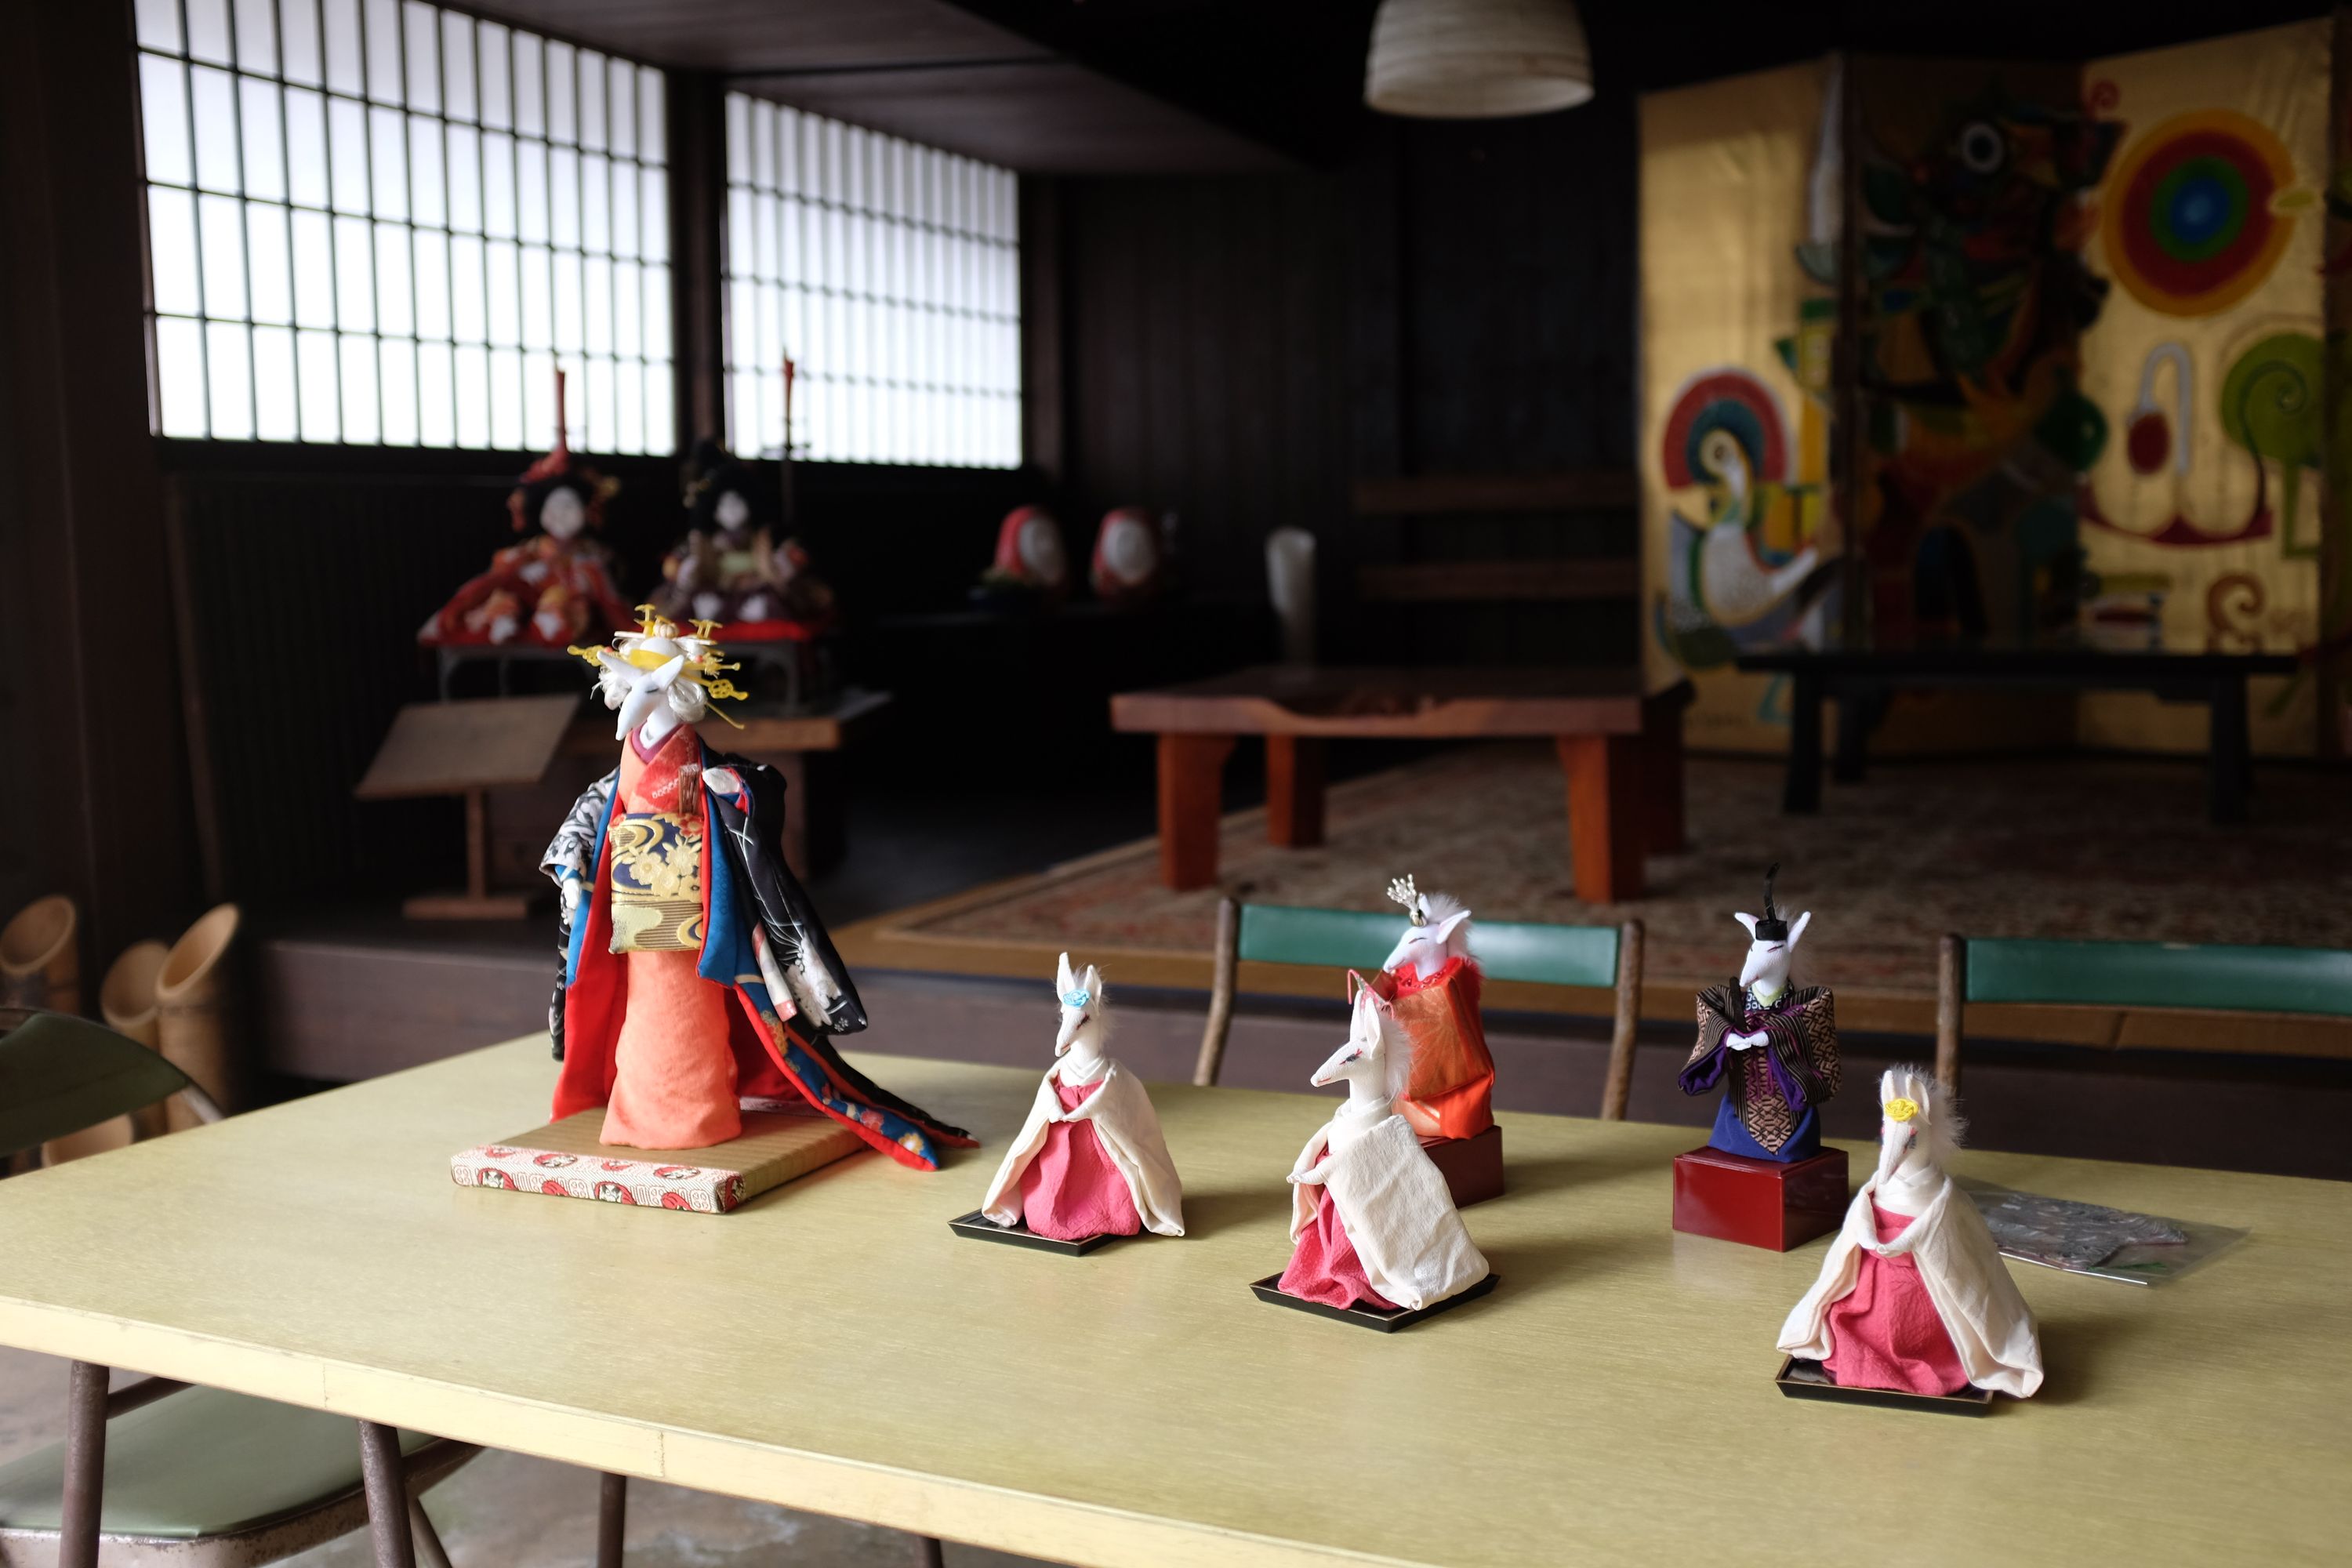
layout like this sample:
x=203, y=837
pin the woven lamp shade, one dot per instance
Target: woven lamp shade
x=1477, y=59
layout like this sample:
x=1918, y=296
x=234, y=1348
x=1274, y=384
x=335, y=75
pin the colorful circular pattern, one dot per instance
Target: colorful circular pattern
x=2188, y=220
x=1729, y=400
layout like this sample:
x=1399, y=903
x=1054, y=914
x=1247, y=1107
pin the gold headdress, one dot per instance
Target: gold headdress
x=657, y=640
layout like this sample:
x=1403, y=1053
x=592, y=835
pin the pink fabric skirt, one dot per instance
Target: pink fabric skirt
x=1071, y=1189
x=1886, y=1333
x=1324, y=1266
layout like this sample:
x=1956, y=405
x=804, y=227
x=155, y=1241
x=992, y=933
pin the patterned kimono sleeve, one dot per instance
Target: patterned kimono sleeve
x=1821, y=1038
x=570, y=857
x=570, y=854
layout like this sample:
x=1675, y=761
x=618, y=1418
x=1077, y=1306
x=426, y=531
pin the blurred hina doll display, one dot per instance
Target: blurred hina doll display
x=1913, y=1295
x=1370, y=1215
x=556, y=586
x=1432, y=982
x=1773, y=1046
x=1130, y=564
x=1031, y=563
x=729, y=570
x=1090, y=1160
x=695, y=969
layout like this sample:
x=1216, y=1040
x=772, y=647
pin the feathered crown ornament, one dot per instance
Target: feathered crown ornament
x=654, y=644
x=1416, y=903
x=1769, y=925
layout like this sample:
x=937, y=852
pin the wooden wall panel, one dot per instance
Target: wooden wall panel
x=1458, y=299
x=1206, y=349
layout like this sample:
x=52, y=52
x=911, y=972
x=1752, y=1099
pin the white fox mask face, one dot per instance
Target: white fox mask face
x=1376, y=1053
x=1428, y=948
x=1767, y=966
x=1085, y=1020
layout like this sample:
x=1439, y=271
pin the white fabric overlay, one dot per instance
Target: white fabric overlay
x=1990, y=1325
x=1128, y=1129
x=1394, y=1206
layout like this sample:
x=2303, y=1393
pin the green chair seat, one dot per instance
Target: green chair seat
x=1505, y=950
x=200, y=1463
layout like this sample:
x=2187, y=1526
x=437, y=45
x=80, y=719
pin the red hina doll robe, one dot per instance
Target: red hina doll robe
x=1453, y=1089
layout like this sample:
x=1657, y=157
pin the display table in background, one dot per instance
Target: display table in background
x=832, y=1345
x=1861, y=682
x=805, y=748
x=1620, y=748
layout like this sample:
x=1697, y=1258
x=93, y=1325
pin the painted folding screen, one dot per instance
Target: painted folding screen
x=1739, y=211
x=2089, y=398
x=2202, y=518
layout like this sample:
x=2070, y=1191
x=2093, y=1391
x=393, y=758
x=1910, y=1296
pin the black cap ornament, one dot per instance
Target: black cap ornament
x=1769, y=926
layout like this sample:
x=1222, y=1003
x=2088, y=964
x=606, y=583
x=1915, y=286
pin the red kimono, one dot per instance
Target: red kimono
x=1453, y=1089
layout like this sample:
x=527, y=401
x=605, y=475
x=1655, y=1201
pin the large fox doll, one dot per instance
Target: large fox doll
x=696, y=972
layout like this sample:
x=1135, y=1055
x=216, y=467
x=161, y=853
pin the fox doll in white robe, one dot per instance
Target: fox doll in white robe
x=1090, y=1160
x=1913, y=1295
x=1371, y=1218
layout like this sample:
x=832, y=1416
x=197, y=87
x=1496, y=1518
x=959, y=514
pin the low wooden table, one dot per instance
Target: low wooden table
x=1621, y=752
x=1856, y=679
x=832, y=1345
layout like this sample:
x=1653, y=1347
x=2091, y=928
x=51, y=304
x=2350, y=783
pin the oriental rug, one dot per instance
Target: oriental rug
x=2113, y=848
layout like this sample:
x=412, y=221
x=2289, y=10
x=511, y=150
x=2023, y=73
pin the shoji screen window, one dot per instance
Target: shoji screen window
x=889, y=274
x=374, y=221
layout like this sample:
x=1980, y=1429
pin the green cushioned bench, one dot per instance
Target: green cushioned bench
x=2209, y=977
x=1593, y=957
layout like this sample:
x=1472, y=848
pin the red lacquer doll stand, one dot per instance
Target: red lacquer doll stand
x=1759, y=1202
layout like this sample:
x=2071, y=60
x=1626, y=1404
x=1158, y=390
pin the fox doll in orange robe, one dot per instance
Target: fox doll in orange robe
x=696, y=970
x=1432, y=982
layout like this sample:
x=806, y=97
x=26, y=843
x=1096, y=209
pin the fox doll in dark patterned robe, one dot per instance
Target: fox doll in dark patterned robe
x=1772, y=1046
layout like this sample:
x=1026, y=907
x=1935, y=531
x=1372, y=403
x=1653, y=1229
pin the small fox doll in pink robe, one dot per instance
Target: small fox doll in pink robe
x=1090, y=1160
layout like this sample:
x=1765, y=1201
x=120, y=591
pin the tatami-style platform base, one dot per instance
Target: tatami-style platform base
x=980, y=1227
x=1807, y=1380
x=1388, y=1323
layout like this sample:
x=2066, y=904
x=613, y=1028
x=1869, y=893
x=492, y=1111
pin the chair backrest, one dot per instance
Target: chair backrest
x=2197, y=976
x=59, y=1074
x=1599, y=957
x=1505, y=950
x=2206, y=976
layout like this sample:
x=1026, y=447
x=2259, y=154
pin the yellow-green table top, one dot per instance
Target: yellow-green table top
x=833, y=1346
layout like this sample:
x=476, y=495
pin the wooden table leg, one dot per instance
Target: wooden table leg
x=1662, y=777
x=2229, y=763
x=1294, y=791
x=386, y=1481
x=1850, y=763
x=85, y=1477
x=1802, y=793
x=1191, y=795
x=612, y=1518
x=1606, y=825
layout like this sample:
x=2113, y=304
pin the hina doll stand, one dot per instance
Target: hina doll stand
x=1808, y=1380
x=980, y=1227
x=1759, y=1202
x=469, y=748
x=1388, y=1322
x=782, y=1140
x=1472, y=1166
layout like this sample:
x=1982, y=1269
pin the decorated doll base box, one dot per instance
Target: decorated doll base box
x=567, y=1159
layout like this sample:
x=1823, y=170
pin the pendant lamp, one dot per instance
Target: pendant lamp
x=1477, y=59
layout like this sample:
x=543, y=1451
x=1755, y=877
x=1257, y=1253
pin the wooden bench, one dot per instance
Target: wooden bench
x=2155, y=985
x=1619, y=748
x=1861, y=681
